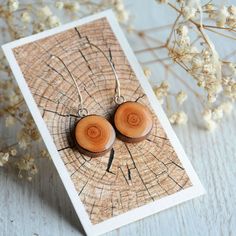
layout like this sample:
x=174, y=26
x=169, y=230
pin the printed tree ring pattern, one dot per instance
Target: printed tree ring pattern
x=130, y=175
x=94, y=135
x=133, y=122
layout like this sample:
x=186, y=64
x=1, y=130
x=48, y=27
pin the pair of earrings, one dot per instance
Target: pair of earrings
x=94, y=135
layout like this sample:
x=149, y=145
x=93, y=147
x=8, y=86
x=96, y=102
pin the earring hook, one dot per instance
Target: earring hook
x=118, y=97
x=82, y=111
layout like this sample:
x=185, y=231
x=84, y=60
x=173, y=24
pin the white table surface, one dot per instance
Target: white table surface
x=42, y=207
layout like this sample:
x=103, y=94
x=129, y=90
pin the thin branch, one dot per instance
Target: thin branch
x=149, y=49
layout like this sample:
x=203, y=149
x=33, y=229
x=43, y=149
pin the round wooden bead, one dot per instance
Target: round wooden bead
x=94, y=135
x=133, y=122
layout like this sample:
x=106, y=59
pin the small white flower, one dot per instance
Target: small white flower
x=209, y=7
x=173, y=118
x=59, y=5
x=207, y=114
x=211, y=125
x=211, y=98
x=189, y=12
x=29, y=178
x=12, y=5
x=44, y=12
x=147, y=72
x=217, y=113
x=197, y=62
x=53, y=21
x=22, y=139
x=214, y=87
x=178, y=118
x=25, y=17
x=181, y=97
x=184, y=41
x=39, y=27
x=119, y=5
x=4, y=157
x=208, y=69
x=182, y=30
x=10, y=121
x=232, y=67
x=227, y=107
x=232, y=10
x=122, y=16
x=44, y=154
x=222, y=15
x=23, y=144
x=231, y=21
x=13, y=152
x=162, y=90
x=74, y=6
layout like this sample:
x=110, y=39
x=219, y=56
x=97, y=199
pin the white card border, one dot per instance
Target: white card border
x=134, y=214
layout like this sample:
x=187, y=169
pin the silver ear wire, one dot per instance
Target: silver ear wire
x=82, y=111
x=118, y=98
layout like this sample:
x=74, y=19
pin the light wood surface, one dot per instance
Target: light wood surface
x=42, y=207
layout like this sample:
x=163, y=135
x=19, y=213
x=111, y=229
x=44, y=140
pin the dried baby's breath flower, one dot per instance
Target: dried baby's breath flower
x=147, y=72
x=119, y=5
x=181, y=97
x=207, y=115
x=27, y=165
x=44, y=154
x=59, y=5
x=72, y=6
x=209, y=7
x=121, y=13
x=122, y=16
x=222, y=15
x=189, y=12
x=211, y=97
x=178, y=118
x=13, y=152
x=53, y=21
x=217, y=113
x=44, y=12
x=231, y=21
x=39, y=27
x=182, y=30
x=4, y=157
x=211, y=125
x=25, y=17
x=12, y=5
x=23, y=139
x=227, y=107
x=10, y=121
x=161, y=91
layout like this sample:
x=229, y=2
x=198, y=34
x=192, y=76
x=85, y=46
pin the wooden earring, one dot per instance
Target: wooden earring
x=133, y=122
x=93, y=134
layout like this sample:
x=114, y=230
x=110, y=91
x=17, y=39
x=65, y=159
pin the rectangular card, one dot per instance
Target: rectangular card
x=133, y=180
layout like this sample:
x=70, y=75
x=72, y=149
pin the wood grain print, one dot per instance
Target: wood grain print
x=131, y=174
